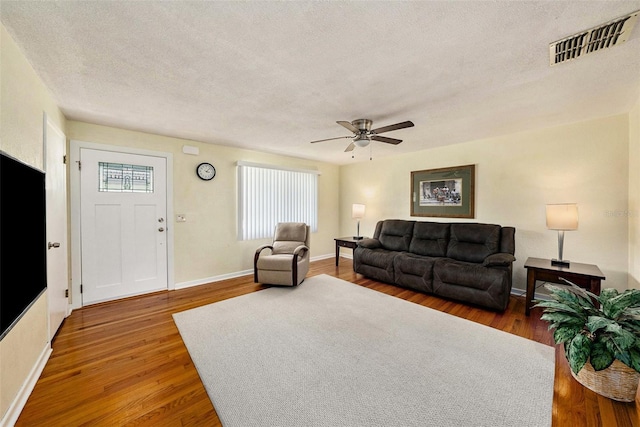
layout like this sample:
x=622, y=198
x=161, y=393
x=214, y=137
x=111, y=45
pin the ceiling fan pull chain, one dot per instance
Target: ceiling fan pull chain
x=370, y=149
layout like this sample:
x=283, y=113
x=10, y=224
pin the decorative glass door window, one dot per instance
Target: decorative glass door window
x=121, y=178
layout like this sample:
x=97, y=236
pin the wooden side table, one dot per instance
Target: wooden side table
x=345, y=242
x=586, y=276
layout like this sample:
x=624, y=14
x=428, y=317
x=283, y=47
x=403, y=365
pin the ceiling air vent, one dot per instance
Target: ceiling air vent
x=598, y=38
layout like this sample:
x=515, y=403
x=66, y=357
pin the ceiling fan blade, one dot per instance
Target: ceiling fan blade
x=350, y=147
x=386, y=139
x=347, y=125
x=389, y=128
x=331, y=139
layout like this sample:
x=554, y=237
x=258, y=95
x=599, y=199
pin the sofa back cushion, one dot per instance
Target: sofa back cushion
x=395, y=234
x=430, y=239
x=473, y=242
x=508, y=240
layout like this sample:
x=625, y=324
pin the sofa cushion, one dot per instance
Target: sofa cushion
x=414, y=271
x=430, y=239
x=396, y=234
x=374, y=263
x=473, y=242
x=472, y=283
x=380, y=258
x=508, y=240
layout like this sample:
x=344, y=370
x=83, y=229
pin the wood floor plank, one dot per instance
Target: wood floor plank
x=124, y=363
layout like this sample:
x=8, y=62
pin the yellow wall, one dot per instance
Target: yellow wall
x=516, y=176
x=23, y=100
x=634, y=197
x=206, y=245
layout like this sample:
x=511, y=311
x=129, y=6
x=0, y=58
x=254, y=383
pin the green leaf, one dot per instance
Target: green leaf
x=598, y=322
x=624, y=357
x=623, y=339
x=579, y=350
x=634, y=358
x=616, y=305
x=553, y=306
x=601, y=358
x=565, y=333
x=562, y=318
x=568, y=295
x=631, y=325
x=607, y=294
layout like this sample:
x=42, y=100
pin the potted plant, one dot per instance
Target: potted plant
x=601, y=343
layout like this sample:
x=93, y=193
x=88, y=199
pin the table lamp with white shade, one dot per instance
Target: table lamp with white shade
x=562, y=217
x=357, y=212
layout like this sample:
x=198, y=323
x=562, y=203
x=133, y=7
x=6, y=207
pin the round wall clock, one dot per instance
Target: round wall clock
x=206, y=171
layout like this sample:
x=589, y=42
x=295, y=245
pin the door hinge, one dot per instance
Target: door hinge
x=66, y=293
x=79, y=164
x=80, y=288
x=64, y=159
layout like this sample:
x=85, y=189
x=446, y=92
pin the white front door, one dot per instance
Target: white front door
x=123, y=203
x=56, y=196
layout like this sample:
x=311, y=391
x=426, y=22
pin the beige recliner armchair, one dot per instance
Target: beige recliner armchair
x=287, y=262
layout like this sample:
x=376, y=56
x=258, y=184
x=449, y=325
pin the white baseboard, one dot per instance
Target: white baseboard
x=11, y=416
x=218, y=278
x=212, y=279
x=319, y=257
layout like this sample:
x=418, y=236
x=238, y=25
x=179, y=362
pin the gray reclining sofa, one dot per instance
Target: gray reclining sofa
x=467, y=262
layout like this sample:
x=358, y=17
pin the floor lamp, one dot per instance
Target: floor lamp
x=562, y=217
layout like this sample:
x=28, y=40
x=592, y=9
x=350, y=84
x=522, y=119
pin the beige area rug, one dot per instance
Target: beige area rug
x=331, y=353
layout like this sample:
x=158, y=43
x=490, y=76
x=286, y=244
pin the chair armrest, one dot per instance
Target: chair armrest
x=263, y=247
x=499, y=260
x=370, y=243
x=300, y=250
x=255, y=260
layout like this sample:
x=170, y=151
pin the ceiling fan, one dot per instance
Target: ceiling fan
x=363, y=134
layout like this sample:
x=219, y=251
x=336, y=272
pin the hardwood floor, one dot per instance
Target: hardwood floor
x=124, y=363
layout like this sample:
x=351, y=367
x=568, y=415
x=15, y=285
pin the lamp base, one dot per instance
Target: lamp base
x=560, y=263
x=358, y=237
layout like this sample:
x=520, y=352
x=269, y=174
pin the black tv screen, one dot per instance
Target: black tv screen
x=23, y=251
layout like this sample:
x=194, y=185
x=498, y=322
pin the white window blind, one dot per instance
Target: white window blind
x=268, y=195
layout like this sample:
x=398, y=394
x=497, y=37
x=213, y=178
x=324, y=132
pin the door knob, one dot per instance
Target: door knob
x=53, y=245
x=161, y=229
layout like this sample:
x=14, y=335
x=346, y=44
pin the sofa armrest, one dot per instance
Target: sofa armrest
x=370, y=243
x=499, y=260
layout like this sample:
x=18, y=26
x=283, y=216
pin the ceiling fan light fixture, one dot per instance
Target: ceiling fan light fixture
x=362, y=140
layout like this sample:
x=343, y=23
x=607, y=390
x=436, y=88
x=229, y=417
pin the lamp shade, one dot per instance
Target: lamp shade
x=562, y=216
x=357, y=211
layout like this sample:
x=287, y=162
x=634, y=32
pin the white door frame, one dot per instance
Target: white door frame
x=74, y=178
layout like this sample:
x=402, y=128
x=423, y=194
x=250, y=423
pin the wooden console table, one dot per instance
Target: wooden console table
x=345, y=242
x=586, y=276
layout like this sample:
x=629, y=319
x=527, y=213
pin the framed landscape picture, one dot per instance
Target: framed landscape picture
x=445, y=192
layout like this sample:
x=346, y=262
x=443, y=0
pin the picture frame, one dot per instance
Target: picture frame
x=445, y=192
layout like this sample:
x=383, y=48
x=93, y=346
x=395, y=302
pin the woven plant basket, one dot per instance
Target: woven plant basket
x=617, y=382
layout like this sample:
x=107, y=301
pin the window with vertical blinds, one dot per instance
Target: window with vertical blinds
x=268, y=195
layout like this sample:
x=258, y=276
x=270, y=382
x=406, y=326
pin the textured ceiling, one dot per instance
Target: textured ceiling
x=272, y=76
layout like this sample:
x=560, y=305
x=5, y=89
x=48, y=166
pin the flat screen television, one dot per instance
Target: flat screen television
x=23, y=251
